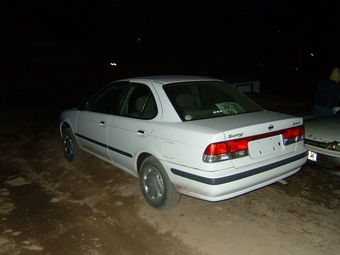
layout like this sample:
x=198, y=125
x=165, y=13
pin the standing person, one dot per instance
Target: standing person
x=327, y=95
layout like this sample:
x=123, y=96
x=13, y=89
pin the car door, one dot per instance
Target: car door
x=91, y=124
x=130, y=130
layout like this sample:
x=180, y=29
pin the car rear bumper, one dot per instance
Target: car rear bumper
x=212, y=186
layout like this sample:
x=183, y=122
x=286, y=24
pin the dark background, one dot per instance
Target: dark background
x=53, y=48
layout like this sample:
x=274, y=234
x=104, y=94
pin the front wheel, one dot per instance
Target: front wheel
x=70, y=146
x=156, y=186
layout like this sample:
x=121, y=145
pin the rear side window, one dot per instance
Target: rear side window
x=139, y=102
x=107, y=100
x=201, y=100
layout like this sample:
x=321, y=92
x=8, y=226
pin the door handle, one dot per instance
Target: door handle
x=142, y=133
x=102, y=123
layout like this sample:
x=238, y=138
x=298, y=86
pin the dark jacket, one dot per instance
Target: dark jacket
x=327, y=94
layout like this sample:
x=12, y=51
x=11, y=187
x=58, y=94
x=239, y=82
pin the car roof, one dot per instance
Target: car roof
x=166, y=79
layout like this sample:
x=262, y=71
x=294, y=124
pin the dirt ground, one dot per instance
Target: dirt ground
x=50, y=206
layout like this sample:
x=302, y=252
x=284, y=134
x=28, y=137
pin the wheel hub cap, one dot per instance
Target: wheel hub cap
x=154, y=185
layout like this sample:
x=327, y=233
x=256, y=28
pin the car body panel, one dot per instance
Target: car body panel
x=127, y=136
x=91, y=130
x=324, y=130
x=188, y=184
x=320, y=133
x=179, y=143
x=200, y=133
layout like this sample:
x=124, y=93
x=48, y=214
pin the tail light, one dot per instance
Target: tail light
x=293, y=135
x=216, y=152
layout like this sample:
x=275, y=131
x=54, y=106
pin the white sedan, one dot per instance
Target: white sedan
x=187, y=135
x=323, y=142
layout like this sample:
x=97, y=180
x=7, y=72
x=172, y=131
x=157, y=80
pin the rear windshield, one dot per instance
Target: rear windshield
x=208, y=99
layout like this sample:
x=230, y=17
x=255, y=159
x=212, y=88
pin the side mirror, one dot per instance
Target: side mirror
x=82, y=106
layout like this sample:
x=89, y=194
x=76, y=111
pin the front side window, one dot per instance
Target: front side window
x=202, y=99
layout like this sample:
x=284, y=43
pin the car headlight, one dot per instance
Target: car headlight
x=334, y=146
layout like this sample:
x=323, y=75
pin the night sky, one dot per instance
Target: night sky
x=290, y=39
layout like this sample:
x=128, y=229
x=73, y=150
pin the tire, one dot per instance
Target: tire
x=157, y=189
x=70, y=146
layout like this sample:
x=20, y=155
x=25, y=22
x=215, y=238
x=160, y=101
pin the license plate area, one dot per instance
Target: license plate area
x=265, y=147
x=312, y=156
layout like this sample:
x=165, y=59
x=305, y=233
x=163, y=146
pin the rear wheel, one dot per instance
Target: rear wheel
x=156, y=186
x=70, y=146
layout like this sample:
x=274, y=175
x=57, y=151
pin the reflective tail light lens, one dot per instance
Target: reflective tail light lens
x=293, y=135
x=216, y=152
